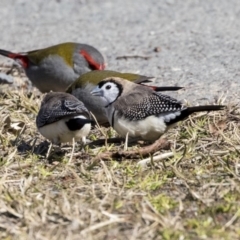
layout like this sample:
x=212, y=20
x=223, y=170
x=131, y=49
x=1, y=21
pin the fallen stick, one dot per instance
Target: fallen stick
x=143, y=163
x=161, y=143
x=133, y=56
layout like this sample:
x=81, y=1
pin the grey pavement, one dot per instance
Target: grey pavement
x=198, y=41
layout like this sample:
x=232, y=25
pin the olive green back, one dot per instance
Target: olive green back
x=97, y=76
x=65, y=50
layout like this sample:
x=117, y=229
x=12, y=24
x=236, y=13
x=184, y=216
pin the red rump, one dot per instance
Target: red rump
x=23, y=60
x=93, y=64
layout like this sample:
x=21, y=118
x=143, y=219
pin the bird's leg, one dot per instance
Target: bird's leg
x=126, y=142
x=84, y=142
x=73, y=149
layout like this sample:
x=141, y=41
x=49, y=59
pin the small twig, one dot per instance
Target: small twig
x=100, y=129
x=103, y=224
x=144, y=162
x=126, y=142
x=232, y=220
x=49, y=150
x=34, y=144
x=20, y=166
x=133, y=56
x=72, y=152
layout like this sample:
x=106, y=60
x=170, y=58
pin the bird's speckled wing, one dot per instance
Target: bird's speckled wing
x=60, y=109
x=141, y=104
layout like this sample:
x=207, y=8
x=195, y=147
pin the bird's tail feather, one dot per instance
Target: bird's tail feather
x=22, y=59
x=205, y=108
x=165, y=88
x=189, y=110
x=9, y=54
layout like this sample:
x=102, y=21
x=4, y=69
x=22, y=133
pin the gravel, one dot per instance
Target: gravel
x=190, y=43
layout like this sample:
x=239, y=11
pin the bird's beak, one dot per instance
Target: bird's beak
x=97, y=92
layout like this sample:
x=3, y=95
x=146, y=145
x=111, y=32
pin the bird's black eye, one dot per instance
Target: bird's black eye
x=108, y=87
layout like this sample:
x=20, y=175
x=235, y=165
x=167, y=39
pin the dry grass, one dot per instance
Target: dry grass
x=192, y=193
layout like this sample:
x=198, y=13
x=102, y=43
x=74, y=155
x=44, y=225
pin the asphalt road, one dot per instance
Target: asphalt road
x=197, y=42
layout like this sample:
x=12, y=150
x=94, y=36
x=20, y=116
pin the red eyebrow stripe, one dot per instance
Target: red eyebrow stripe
x=94, y=65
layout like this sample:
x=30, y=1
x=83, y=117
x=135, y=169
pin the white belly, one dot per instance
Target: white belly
x=58, y=132
x=150, y=128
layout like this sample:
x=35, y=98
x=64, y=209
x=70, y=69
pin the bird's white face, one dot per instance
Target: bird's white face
x=109, y=91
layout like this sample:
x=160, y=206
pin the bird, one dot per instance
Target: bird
x=63, y=117
x=139, y=111
x=82, y=87
x=55, y=68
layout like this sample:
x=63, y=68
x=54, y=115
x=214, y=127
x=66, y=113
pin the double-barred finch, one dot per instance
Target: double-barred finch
x=63, y=117
x=83, y=86
x=141, y=112
x=56, y=67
